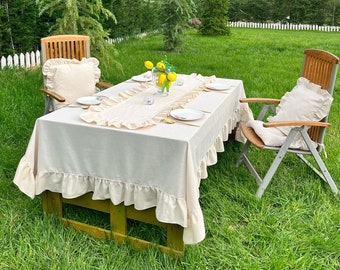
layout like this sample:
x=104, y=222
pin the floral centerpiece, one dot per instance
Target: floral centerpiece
x=164, y=73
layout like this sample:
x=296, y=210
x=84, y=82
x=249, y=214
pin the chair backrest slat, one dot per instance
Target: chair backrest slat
x=320, y=67
x=65, y=46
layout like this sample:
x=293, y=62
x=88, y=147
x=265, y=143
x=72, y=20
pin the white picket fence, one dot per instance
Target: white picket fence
x=32, y=59
x=27, y=60
x=285, y=26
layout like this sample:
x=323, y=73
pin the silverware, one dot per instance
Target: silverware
x=217, y=91
x=169, y=120
x=205, y=111
x=84, y=107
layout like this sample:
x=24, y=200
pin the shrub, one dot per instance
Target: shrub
x=175, y=15
x=214, y=17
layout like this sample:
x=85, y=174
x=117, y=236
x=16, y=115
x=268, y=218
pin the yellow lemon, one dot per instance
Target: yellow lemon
x=172, y=76
x=161, y=79
x=160, y=65
x=148, y=64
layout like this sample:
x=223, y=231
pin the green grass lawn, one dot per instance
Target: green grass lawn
x=296, y=224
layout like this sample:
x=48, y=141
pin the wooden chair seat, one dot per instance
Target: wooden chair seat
x=251, y=135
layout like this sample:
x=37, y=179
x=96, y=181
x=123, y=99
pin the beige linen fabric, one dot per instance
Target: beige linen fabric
x=158, y=166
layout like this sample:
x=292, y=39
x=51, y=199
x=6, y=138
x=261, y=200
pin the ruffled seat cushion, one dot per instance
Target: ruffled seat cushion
x=71, y=78
x=306, y=102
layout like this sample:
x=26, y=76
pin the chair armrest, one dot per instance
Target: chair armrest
x=104, y=84
x=53, y=95
x=260, y=100
x=296, y=123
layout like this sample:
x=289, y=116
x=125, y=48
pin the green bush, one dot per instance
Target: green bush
x=214, y=17
x=175, y=15
x=133, y=17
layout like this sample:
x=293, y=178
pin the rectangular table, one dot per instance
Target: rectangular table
x=126, y=168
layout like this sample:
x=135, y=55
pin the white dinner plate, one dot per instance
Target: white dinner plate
x=90, y=100
x=145, y=77
x=186, y=114
x=218, y=86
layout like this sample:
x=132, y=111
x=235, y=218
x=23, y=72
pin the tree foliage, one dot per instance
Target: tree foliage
x=320, y=12
x=174, y=16
x=214, y=17
x=24, y=22
x=133, y=17
x=78, y=17
x=18, y=27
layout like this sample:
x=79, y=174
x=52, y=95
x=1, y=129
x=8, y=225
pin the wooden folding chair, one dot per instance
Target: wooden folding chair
x=319, y=67
x=67, y=47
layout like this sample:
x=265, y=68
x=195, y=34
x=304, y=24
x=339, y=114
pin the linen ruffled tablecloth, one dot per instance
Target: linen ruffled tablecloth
x=135, y=126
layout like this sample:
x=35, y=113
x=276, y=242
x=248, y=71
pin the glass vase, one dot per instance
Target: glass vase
x=161, y=92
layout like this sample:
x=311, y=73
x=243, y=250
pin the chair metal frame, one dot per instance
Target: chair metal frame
x=320, y=67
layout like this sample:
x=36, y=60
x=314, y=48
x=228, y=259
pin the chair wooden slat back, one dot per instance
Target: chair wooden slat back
x=320, y=67
x=65, y=46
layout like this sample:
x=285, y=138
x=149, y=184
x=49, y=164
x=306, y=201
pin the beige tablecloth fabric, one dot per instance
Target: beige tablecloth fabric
x=160, y=165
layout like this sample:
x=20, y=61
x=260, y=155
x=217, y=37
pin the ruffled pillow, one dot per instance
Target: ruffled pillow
x=270, y=136
x=71, y=78
x=273, y=136
x=306, y=102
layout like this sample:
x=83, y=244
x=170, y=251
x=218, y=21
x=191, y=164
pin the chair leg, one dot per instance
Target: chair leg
x=323, y=173
x=252, y=170
x=241, y=157
x=49, y=104
x=263, y=183
x=275, y=164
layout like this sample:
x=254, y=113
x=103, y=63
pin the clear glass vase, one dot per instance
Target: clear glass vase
x=161, y=92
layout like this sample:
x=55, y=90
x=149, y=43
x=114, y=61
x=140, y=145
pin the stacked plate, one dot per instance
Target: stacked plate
x=91, y=100
x=145, y=77
x=218, y=86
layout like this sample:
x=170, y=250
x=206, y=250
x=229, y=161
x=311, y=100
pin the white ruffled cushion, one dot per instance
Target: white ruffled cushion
x=306, y=102
x=270, y=136
x=71, y=78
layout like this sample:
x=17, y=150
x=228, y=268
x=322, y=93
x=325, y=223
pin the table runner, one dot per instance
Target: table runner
x=127, y=110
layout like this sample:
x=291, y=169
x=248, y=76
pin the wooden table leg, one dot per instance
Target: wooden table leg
x=118, y=222
x=119, y=214
x=52, y=202
x=175, y=237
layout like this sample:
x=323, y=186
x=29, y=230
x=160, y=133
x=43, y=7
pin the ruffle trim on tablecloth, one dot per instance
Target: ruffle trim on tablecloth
x=169, y=209
x=218, y=147
x=25, y=177
x=96, y=114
